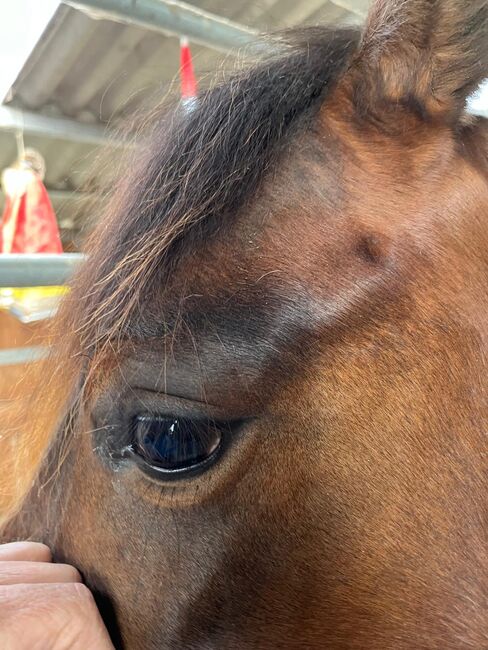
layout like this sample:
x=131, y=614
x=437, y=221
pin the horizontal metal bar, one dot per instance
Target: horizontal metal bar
x=60, y=196
x=62, y=128
x=17, y=356
x=171, y=17
x=40, y=270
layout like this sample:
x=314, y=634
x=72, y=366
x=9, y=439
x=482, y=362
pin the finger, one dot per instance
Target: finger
x=19, y=572
x=26, y=551
x=54, y=616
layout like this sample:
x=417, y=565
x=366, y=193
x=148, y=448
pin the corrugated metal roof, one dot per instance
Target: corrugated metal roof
x=95, y=69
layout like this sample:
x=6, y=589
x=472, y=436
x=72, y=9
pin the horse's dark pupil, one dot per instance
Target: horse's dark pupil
x=175, y=443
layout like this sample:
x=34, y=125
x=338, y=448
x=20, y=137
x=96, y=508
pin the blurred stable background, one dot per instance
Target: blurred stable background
x=70, y=75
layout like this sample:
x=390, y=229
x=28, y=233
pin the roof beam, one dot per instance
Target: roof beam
x=16, y=120
x=172, y=18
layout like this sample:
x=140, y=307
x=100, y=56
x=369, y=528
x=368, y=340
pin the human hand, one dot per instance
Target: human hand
x=45, y=606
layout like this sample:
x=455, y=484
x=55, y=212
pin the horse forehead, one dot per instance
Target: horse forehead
x=284, y=230
x=335, y=189
x=314, y=241
x=239, y=328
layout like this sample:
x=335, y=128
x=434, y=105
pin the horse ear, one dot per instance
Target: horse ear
x=426, y=55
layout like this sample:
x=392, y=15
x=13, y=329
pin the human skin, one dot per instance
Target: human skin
x=45, y=605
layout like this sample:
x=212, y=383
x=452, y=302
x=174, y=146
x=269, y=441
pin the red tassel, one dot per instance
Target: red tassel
x=187, y=75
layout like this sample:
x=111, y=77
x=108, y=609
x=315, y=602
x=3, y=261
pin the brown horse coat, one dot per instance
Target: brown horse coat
x=303, y=256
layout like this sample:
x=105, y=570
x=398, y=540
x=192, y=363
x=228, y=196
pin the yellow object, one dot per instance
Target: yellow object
x=31, y=304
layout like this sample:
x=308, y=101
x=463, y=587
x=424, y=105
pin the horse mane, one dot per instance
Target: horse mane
x=194, y=167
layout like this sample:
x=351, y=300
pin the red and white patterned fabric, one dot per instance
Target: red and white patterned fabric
x=29, y=223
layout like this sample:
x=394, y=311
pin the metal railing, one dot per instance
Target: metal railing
x=38, y=270
x=18, y=356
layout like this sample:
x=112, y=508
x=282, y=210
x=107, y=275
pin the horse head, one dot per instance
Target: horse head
x=271, y=371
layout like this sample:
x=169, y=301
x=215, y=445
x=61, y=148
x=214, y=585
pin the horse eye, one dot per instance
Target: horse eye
x=172, y=446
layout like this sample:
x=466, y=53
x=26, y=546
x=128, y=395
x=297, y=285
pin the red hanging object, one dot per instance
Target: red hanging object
x=28, y=224
x=187, y=74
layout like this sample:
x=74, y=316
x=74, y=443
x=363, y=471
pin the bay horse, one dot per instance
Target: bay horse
x=270, y=391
